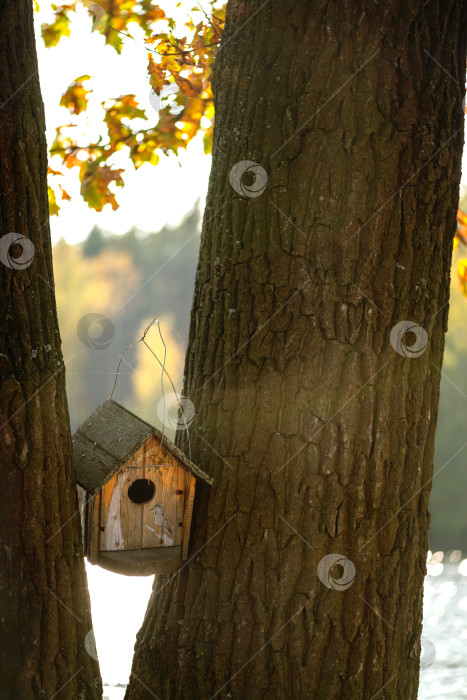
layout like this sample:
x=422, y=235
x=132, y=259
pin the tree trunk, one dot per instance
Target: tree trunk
x=45, y=608
x=316, y=422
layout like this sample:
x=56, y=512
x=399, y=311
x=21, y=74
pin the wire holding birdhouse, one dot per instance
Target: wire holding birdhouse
x=181, y=421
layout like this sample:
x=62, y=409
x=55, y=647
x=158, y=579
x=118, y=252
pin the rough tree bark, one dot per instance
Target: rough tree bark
x=45, y=607
x=318, y=432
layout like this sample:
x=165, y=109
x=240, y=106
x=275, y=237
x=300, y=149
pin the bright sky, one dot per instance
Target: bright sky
x=118, y=604
x=152, y=197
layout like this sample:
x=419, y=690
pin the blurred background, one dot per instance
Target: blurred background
x=139, y=262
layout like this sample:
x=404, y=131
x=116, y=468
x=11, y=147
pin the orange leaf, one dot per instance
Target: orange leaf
x=65, y=194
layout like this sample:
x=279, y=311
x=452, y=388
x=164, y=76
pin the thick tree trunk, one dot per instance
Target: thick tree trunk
x=45, y=609
x=318, y=432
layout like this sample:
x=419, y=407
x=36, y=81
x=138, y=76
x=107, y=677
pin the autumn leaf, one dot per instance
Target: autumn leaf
x=50, y=171
x=112, y=17
x=124, y=107
x=53, y=206
x=462, y=274
x=144, y=153
x=65, y=194
x=75, y=99
x=95, y=181
x=461, y=232
x=462, y=223
x=207, y=140
x=52, y=33
x=157, y=77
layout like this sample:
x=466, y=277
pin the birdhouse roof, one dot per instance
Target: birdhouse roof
x=106, y=440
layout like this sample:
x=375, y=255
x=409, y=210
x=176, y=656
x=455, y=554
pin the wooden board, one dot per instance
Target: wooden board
x=142, y=562
x=111, y=534
x=160, y=523
x=131, y=514
x=125, y=525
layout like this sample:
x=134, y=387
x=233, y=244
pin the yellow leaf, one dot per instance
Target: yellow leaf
x=53, y=206
x=462, y=269
x=75, y=98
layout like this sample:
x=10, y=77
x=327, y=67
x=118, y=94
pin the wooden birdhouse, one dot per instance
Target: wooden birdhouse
x=135, y=491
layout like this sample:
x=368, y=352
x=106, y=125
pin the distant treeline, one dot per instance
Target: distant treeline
x=129, y=280
x=132, y=278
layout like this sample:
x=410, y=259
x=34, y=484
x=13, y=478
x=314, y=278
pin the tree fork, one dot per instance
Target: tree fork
x=316, y=423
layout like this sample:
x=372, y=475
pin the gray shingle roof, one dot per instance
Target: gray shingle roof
x=109, y=438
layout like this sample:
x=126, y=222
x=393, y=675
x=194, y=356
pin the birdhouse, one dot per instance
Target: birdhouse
x=135, y=492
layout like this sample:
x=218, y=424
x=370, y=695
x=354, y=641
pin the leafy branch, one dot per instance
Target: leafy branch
x=177, y=67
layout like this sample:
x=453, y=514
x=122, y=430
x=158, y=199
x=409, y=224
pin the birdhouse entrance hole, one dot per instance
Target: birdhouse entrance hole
x=141, y=491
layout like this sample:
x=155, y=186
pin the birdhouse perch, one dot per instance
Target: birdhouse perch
x=135, y=490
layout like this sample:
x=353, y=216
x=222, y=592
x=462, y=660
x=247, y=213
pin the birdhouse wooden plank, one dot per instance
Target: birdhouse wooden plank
x=136, y=491
x=93, y=528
